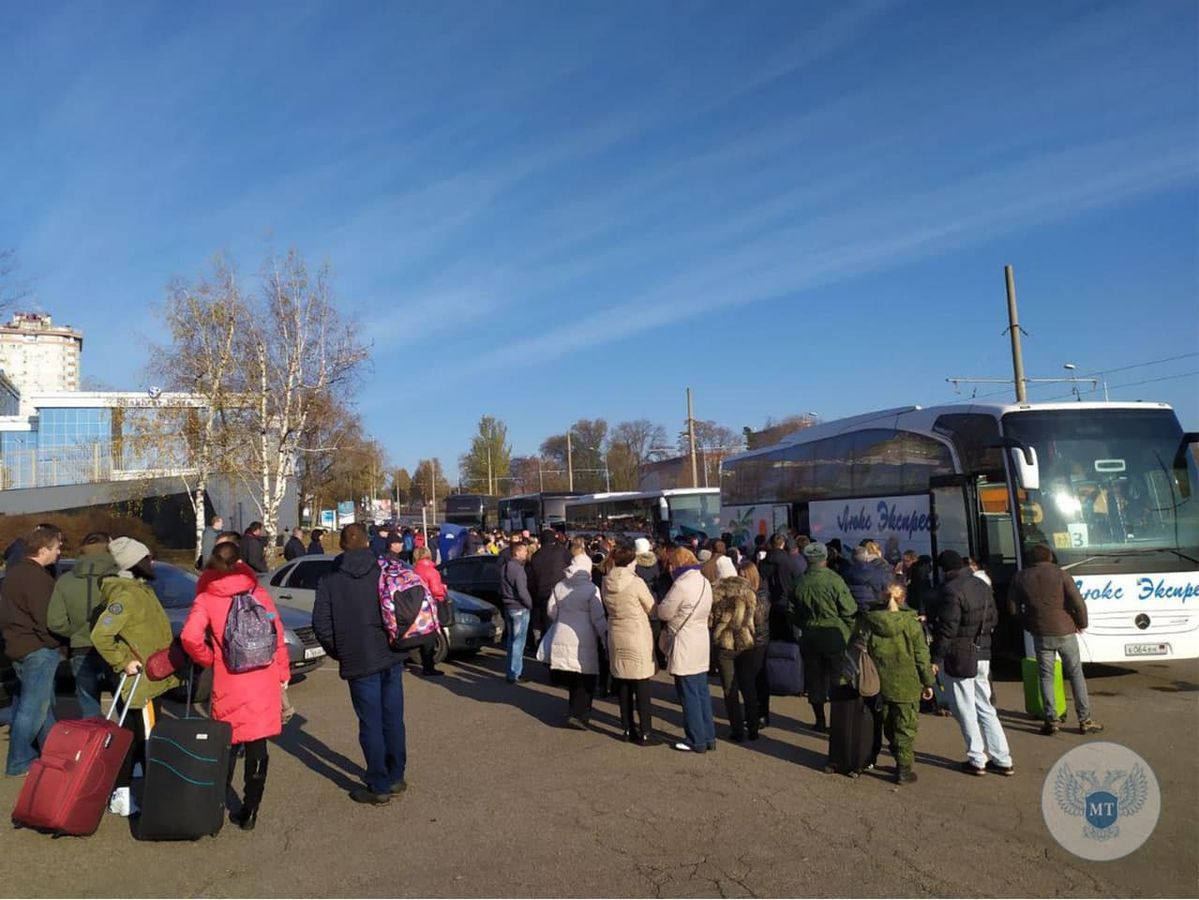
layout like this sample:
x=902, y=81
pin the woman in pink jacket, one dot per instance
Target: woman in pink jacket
x=251, y=702
x=426, y=570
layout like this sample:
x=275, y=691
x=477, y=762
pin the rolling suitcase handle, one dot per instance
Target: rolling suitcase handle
x=117, y=696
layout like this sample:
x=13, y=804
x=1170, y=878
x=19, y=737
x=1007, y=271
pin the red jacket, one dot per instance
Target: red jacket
x=252, y=702
x=431, y=577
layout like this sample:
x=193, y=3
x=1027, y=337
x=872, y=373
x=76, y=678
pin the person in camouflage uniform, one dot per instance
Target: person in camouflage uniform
x=895, y=640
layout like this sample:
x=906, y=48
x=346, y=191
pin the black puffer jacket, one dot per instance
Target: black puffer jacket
x=868, y=581
x=965, y=613
x=545, y=569
x=347, y=619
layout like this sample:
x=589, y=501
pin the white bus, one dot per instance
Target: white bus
x=667, y=515
x=534, y=511
x=1110, y=487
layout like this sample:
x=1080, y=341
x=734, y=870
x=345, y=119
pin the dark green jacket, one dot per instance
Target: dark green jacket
x=76, y=595
x=133, y=626
x=824, y=609
x=900, y=653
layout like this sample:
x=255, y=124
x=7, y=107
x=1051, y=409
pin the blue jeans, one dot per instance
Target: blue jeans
x=518, y=633
x=970, y=703
x=92, y=676
x=33, y=708
x=379, y=704
x=698, y=724
x=1047, y=650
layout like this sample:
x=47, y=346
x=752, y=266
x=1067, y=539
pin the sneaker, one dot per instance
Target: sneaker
x=1051, y=728
x=995, y=767
x=971, y=769
x=684, y=747
x=576, y=723
x=712, y=746
x=369, y=797
x=523, y=679
x=120, y=803
x=398, y=788
x=1090, y=726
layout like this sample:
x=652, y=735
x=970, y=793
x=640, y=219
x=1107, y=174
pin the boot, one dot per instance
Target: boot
x=818, y=712
x=904, y=775
x=255, y=787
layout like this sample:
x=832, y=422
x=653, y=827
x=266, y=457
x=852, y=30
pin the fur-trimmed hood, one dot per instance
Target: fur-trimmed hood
x=647, y=559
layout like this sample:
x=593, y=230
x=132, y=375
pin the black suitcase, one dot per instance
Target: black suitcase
x=187, y=771
x=851, y=735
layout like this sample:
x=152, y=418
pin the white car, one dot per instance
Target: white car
x=472, y=623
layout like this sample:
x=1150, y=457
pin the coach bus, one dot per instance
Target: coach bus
x=667, y=515
x=1110, y=487
x=534, y=511
x=471, y=510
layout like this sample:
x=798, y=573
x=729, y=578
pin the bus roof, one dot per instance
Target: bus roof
x=921, y=419
x=639, y=495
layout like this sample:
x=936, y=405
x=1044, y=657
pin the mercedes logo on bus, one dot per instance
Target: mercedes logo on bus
x=1141, y=621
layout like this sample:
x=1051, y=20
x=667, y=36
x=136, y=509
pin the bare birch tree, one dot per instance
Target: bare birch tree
x=297, y=353
x=202, y=319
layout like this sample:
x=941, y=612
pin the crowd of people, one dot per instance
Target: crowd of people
x=607, y=615
x=604, y=615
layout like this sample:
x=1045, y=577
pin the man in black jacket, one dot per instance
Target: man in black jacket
x=253, y=547
x=294, y=547
x=349, y=625
x=776, y=574
x=545, y=569
x=962, y=654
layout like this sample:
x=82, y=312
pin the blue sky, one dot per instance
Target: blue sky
x=548, y=211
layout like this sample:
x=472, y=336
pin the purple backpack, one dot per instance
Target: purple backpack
x=250, y=635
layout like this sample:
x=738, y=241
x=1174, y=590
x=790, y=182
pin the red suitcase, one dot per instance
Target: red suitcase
x=68, y=786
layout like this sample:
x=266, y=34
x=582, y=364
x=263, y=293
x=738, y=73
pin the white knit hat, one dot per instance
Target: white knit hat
x=127, y=552
x=641, y=545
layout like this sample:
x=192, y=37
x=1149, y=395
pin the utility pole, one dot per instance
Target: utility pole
x=570, y=467
x=691, y=440
x=433, y=486
x=490, y=483
x=540, y=477
x=1014, y=330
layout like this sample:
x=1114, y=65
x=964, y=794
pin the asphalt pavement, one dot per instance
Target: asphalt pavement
x=503, y=801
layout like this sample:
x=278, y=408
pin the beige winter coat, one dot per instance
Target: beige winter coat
x=575, y=608
x=690, y=594
x=630, y=638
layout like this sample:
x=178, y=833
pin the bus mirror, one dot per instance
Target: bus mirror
x=1189, y=439
x=663, y=509
x=1028, y=472
x=1024, y=462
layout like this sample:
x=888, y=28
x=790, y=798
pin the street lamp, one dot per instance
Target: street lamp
x=1070, y=367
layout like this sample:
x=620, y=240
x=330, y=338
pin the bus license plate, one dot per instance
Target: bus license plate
x=1146, y=649
x=314, y=652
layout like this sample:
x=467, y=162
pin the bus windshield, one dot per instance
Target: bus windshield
x=694, y=514
x=1110, y=499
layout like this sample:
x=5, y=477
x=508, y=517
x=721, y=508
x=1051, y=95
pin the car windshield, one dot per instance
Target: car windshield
x=175, y=588
x=1110, y=498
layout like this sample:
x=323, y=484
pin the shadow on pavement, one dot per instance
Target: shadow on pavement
x=316, y=756
x=481, y=678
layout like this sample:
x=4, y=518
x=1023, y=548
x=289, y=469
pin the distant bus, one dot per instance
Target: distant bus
x=534, y=511
x=1112, y=488
x=472, y=510
x=667, y=515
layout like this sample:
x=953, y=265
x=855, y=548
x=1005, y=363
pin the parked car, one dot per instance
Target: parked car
x=176, y=591
x=472, y=625
x=477, y=575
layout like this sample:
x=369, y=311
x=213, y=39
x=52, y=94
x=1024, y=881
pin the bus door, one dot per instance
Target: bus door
x=952, y=500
